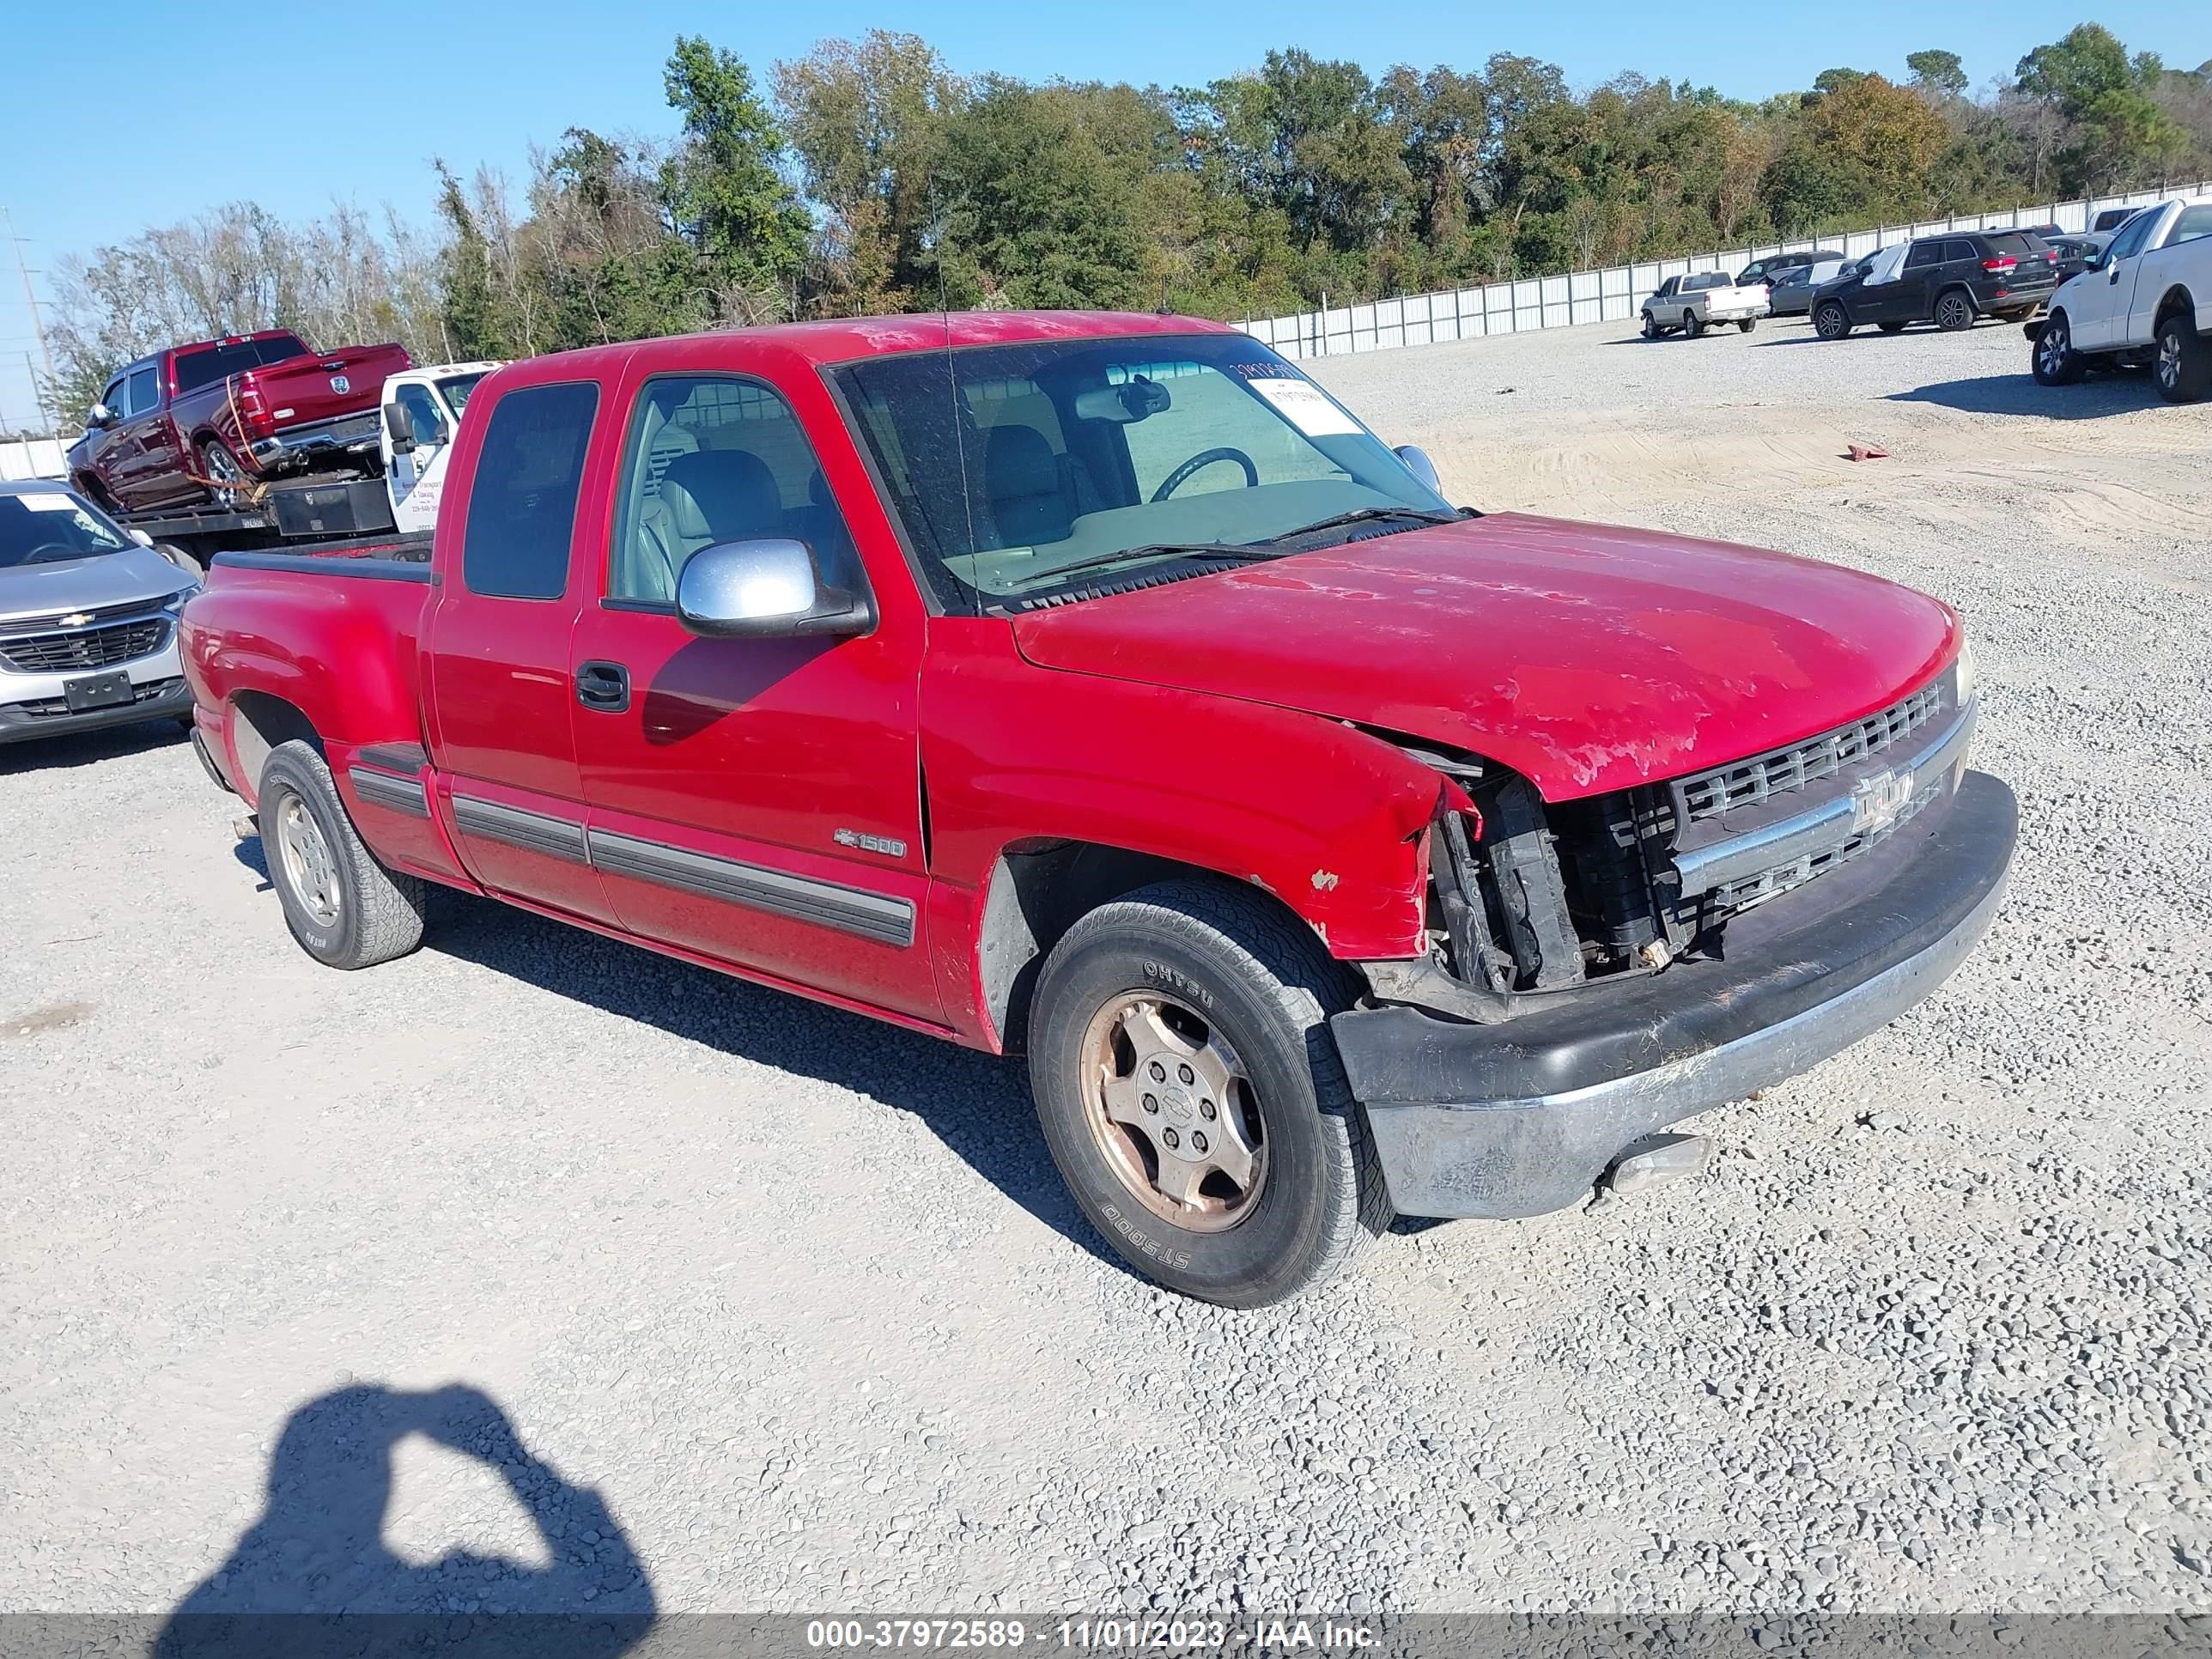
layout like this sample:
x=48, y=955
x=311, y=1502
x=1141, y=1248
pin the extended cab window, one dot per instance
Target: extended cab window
x=522, y=497
x=717, y=458
x=1021, y=473
x=2194, y=221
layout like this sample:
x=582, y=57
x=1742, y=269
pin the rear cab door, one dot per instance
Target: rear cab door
x=754, y=801
x=2180, y=251
x=528, y=498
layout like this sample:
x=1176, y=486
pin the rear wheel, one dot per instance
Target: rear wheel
x=1954, y=310
x=2182, y=367
x=1191, y=1094
x=227, y=482
x=2054, y=361
x=345, y=908
x=1829, y=321
x=1691, y=327
x=1747, y=324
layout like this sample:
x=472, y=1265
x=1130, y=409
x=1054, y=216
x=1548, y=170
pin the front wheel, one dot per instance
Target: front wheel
x=345, y=908
x=1746, y=325
x=1651, y=329
x=1192, y=1096
x=1954, y=310
x=2054, y=361
x=1831, y=321
x=2183, y=366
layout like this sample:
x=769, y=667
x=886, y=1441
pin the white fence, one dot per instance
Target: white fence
x=1613, y=294
x=32, y=457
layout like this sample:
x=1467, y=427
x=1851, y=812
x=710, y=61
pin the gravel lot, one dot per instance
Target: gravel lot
x=798, y=1299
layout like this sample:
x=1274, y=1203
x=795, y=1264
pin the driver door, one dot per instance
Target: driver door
x=2097, y=314
x=755, y=801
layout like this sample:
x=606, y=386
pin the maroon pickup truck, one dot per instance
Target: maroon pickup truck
x=206, y=422
x=1099, y=686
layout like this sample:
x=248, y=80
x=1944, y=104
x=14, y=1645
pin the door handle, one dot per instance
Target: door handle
x=604, y=686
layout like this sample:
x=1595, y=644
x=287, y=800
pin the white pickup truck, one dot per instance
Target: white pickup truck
x=1703, y=299
x=2147, y=297
x=421, y=412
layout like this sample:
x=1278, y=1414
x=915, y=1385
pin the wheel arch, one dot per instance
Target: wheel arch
x=260, y=721
x=1038, y=889
x=2176, y=301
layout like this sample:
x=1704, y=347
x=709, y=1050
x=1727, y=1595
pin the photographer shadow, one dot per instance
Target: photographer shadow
x=314, y=1577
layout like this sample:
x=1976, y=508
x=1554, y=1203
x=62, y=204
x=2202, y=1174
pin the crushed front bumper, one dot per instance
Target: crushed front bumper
x=1520, y=1118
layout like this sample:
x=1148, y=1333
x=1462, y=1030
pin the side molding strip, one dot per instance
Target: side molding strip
x=394, y=794
x=533, y=832
x=848, y=909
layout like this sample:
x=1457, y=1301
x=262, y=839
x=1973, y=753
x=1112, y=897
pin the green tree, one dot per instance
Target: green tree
x=1939, y=72
x=722, y=189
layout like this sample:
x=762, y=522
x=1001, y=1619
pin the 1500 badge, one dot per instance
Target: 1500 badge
x=888, y=846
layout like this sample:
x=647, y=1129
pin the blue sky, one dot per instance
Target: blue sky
x=120, y=114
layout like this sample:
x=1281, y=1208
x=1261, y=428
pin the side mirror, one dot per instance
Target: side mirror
x=765, y=590
x=99, y=418
x=2093, y=259
x=1419, y=464
x=399, y=427
x=141, y=538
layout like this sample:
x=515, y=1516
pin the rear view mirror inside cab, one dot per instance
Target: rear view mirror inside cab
x=1134, y=400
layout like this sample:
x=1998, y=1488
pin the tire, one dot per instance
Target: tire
x=345, y=908
x=1693, y=325
x=1829, y=321
x=1746, y=325
x=216, y=462
x=1651, y=329
x=1891, y=328
x=2052, y=359
x=1954, y=310
x=2183, y=363
x=1222, y=973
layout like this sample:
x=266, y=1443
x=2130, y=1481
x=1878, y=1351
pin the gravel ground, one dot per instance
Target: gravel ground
x=534, y=1267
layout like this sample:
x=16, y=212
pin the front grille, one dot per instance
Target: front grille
x=71, y=650
x=1742, y=894
x=1708, y=795
x=48, y=707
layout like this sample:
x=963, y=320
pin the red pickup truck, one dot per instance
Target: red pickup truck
x=1098, y=686
x=208, y=420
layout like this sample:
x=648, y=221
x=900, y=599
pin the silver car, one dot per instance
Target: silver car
x=87, y=619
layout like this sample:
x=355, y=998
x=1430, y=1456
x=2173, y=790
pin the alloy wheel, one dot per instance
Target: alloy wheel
x=309, y=870
x=1173, y=1110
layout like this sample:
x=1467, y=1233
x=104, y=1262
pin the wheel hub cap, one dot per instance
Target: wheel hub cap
x=309, y=870
x=1170, y=1104
x=2169, y=360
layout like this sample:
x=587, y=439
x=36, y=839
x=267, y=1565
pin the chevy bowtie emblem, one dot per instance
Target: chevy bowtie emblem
x=76, y=619
x=1877, y=801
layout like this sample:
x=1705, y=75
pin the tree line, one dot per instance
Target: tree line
x=868, y=177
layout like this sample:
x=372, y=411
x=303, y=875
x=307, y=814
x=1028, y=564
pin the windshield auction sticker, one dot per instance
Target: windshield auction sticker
x=42, y=502
x=1306, y=407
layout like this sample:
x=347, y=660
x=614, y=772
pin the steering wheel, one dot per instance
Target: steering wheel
x=1207, y=457
x=67, y=549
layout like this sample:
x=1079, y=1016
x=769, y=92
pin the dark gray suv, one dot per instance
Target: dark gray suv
x=1948, y=281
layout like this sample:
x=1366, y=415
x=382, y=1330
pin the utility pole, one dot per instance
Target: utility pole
x=30, y=299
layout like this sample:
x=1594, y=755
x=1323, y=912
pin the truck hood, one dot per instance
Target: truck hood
x=1587, y=658
x=99, y=583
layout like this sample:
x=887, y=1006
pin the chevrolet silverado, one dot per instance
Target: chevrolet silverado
x=1099, y=687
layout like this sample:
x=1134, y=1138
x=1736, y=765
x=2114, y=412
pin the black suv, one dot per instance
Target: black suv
x=1948, y=281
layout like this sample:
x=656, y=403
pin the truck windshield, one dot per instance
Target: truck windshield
x=1010, y=466
x=209, y=364
x=455, y=390
x=45, y=527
